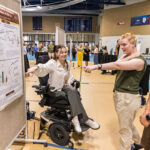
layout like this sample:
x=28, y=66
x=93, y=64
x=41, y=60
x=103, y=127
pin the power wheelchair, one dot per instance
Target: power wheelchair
x=59, y=113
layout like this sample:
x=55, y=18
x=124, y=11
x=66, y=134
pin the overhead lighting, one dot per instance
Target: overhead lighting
x=39, y=7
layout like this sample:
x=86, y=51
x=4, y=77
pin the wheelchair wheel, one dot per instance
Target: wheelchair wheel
x=58, y=134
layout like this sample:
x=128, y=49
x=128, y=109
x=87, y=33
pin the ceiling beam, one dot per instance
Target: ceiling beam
x=63, y=13
x=51, y=7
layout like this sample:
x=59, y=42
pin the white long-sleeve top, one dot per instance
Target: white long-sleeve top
x=58, y=75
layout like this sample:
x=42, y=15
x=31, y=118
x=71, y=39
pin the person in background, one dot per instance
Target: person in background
x=117, y=48
x=32, y=49
x=61, y=78
x=24, y=49
x=51, y=50
x=79, y=55
x=96, y=51
x=40, y=47
x=26, y=61
x=35, y=51
x=105, y=53
x=86, y=54
x=126, y=89
x=74, y=52
x=44, y=49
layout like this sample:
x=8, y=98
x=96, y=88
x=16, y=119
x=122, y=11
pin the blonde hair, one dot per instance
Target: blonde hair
x=131, y=37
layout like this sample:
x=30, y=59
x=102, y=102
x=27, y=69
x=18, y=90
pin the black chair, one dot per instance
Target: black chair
x=147, y=51
x=58, y=113
x=38, y=54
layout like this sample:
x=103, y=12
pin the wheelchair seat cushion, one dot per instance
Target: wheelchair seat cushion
x=58, y=97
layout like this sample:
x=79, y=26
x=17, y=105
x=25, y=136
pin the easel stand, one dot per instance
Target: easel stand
x=31, y=115
x=35, y=141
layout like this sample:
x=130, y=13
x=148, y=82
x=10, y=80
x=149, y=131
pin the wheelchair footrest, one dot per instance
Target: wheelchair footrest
x=84, y=127
x=52, y=117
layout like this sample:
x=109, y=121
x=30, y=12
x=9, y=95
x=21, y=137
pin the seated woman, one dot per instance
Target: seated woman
x=60, y=77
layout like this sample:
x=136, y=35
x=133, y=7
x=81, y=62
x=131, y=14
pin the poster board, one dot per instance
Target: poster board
x=12, y=98
x=60, y=37
x=10, y=57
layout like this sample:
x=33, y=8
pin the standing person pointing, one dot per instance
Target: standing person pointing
x=131, y=68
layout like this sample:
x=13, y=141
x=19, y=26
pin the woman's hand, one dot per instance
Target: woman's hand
x=31, y=71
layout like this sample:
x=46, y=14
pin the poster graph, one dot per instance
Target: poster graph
x=11, y=86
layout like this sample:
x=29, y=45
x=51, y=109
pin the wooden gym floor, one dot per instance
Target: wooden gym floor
x=97, y=98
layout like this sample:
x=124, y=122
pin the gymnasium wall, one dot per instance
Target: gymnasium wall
x=49, y=23
x=110, y=31
x=110, y=42
x=111, y=17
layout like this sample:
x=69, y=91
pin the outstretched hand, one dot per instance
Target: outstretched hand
x=31, y=71
x=90, y=68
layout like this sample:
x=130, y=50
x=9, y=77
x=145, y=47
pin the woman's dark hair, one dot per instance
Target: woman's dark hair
x=56, y=49
x=96, y=45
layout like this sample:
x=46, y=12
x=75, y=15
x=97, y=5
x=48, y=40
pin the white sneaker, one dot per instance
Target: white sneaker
x=76, y=124
x=92, y=124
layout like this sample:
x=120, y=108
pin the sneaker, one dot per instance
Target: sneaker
x=76, y=125
x=136, y=147
x=92, y=124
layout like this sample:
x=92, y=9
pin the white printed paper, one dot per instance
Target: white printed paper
x=11, y=86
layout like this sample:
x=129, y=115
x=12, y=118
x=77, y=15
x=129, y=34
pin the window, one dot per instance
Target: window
x=78, y=24
x=37, y=23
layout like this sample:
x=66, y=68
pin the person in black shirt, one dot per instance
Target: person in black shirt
x=86, y=54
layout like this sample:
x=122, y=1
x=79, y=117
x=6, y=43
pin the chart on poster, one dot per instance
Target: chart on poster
x=10, y=57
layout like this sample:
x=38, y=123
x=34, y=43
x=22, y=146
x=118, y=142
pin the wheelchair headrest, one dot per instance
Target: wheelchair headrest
x=43, y=59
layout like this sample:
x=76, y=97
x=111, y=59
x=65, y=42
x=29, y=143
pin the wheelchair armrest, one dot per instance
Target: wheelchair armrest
x=43, y=89
x=51, y=88
x=36, y=86
x=40, y=89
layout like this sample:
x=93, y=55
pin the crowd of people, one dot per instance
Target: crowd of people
x=80, y=52
x=130, y=70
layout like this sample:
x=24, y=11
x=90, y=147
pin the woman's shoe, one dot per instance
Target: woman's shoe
x=92, y=124
x=76, y=125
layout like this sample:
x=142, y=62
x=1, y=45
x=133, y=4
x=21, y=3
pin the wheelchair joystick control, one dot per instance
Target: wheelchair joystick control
x=148, y=117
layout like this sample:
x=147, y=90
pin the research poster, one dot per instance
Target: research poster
x=11, y=86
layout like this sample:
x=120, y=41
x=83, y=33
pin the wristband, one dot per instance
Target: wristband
x=99, y=66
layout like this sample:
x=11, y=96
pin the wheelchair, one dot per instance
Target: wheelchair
x=58, y=113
